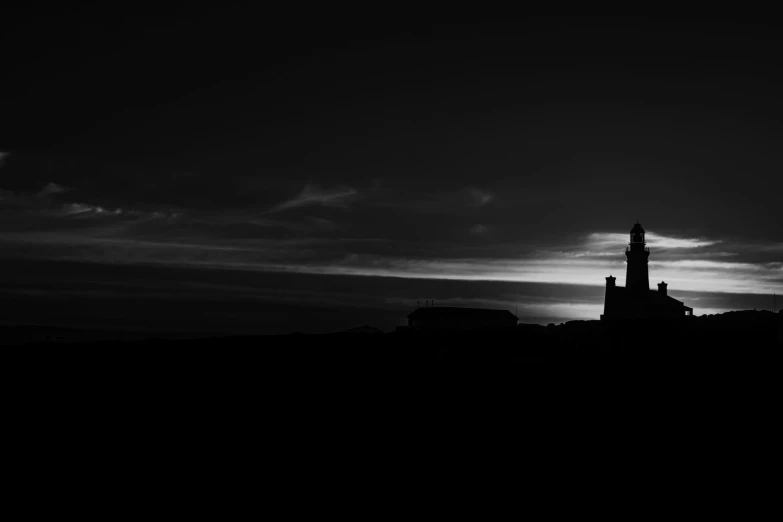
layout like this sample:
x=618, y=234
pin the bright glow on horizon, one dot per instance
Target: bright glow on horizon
x=732, y=278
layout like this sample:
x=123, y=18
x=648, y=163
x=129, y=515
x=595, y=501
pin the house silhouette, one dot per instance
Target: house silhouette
x=448, y=318
x=636, y=300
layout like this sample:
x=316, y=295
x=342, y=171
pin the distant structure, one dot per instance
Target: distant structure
x=448, y=318
x=636, y=300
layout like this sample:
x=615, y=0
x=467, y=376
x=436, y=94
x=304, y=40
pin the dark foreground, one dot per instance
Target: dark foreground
x=351, y=422
x=194, y=407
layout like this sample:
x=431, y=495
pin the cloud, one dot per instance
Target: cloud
x=601, y=240
x=33, y=212
x=315, y=245
x=3, y=156
x=314, y=195
x=318, y=256
x=72, y=209
x=51, y=188
x=82, y=209
x=599, y=245
x=478, y=230
x=7, y=195
x=480, y=197
x=655, y=240
x=746, y=278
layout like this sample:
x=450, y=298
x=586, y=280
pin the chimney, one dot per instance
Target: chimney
x=662, y=288
x=610, y=281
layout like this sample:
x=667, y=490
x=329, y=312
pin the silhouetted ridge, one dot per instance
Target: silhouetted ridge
x=364, y=329
x=455, y=318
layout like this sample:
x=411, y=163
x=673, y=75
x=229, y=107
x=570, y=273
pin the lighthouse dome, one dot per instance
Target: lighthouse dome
x=637, y=228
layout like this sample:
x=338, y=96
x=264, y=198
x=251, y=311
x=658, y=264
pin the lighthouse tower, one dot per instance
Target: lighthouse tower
x=636, y=276
x=636, y=301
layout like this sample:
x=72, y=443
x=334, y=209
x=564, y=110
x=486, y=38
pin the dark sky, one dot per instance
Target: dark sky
x=336, y=168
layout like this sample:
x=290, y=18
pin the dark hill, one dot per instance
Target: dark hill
x=730, y=334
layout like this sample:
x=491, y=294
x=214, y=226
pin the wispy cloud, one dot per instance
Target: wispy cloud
x=658, y=241
x=82, y=209
x=3, y=156
x=32, y=212
x=314, y=195
x=747, y=278
x=478, y=230
x=601, y=240
x=480, y=197
x=324, y=224
x=52, y=188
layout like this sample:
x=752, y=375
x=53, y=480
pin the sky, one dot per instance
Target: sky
x=262, y=171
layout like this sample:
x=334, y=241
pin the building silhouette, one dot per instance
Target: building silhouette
x=636, y=300
x=447, y=318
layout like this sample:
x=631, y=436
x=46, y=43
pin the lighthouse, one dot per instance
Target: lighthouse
x=636, y=300
x=637, y=278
